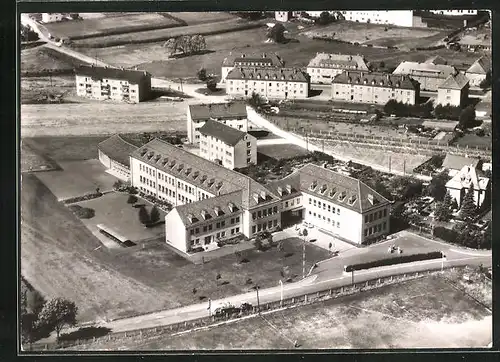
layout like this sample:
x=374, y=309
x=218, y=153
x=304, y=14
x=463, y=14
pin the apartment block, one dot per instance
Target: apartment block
x=103, y=83
x=265, y=60
x=429, y=75
x=324, y=67
x=454, y=12
x=387, y=17
x=454, y=91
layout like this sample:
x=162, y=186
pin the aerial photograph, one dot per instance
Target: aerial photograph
x=285, y=180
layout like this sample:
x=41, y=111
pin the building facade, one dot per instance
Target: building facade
x=454, y=12
x=324, y=67
x=114, y=155
x=374, y=88
x=454, y=91
x=121, y=85
x=227, y=146
x=264, y=60
x=270, y=83
x=459, y=185
x=429, y=75
x=478, y=70
x=282, y=16
x=388, y=17
x=53, y=17
x=233, y=114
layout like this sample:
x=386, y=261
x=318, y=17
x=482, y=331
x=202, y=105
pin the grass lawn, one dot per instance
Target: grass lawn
x=66, y=148
x=42, y=59
x=282, y=151
x=77, y=178
x=31, y=160
x=193, y=18
x=473, y=140
x=40, y=90
x=423, y=313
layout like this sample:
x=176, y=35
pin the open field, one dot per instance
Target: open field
x=77, y=178
x=44, y=90
x=123, y=23
x=194, y=18
x=473, y=140
x=31, y=160
x=76, y=148
x=423, y=313
x=282, y=151
x=42, y=60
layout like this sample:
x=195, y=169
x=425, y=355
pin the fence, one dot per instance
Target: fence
x=290, y=302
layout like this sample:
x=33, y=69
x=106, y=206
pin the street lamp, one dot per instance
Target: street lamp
x=209, y=307
x=442, y=261
x=281, y=297
x=304, y=234
x=258, y=301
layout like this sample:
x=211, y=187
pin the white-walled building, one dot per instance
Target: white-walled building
x=264, y=60
x=114, y=154
x=454, y=12
x=387, y=17
x=233, y=114
x=459, y=185
x=53, y=17
x=227, y=146
x=324, y=67
x=102, y=83
x=429, y=75
x=282, y=16
x=478, y=70
x=270, y=83
x=453, y=91
x=374, y=88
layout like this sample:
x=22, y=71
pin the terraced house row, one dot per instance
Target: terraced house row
x=213, y=203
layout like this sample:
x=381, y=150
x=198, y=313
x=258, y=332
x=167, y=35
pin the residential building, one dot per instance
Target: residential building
x=270, y=83
x=455, y=163
x=387, y=17
x=429, y=75
x=53, y=17
x=478, y=70
x=282, y=16
x=227, y=146
x=454, y=91
x=114, y=154
x=324, y=67
x=375, y=88
x=459, y=185
x=233, y=114
x=454, y=12
x=249, y=60
x=103, y=83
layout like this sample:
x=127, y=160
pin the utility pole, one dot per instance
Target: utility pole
x=323, y=145
x=182, y=90
x=209, y=307
x=281, y=297
x=304, y=234
x=258, y=301
x=404, y=166
x=352, y=277
x=389, y=163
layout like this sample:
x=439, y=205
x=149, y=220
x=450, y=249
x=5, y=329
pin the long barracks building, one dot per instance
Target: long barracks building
x=213, y=203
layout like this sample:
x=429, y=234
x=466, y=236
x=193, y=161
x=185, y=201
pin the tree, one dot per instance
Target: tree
x=212, y=84
x=57, y=313
x=443, y=209
x=171, y=45
x=132, y=199
x=144, y=216
x=155, y=215
x=277, y=33
x=198, y=43
x=28, y=327
x=382, y=64
x=255, y=100
x=486, y=82
x=202, y=74
x=467, y=117
x=468, y=208
x=117, y=185
x=258, y=242
x=324, y=18
x=437, y=186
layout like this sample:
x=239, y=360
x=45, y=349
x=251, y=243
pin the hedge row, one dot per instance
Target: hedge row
x=431, y=48
x=393, y=261
x=91, y=196
x=47, y=72
x=125, y=30
x=445, y=234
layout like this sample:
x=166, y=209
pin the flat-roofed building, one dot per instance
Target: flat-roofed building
x=264, y=60
x=429, y=75
x=227, y=146
x=270, y=83
x=374, y=88
x=454, y=91
x=387, y=17
x=233, y=114
x=103, y=83
x=324, y=67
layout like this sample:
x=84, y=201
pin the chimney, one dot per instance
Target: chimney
x=263, y=195
x=289, y=188
x=280, y=191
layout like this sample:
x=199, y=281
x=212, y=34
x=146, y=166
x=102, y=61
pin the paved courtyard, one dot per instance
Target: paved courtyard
x=319, y=238
x=77, y=178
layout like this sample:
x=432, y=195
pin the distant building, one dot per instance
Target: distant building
x=53, y=17
x=114, y=154
x=478, y=70
x=388, y=17
x=459, y=185
x=454, y=12
x=324, y=67
x=103, y=83
x=374, y=88
x=264, y=60
x=227, y=146
x=453, y=91
x=282, y=16
x=455, y=163
x=429, y=75
x=233, y=114
x=270, y=83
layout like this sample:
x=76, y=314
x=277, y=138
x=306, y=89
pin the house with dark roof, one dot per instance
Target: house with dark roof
x=453, y=91
x=118, y=84
x=324, y=67
x=227, y=146
x=233, y=114
x=268, y=82
x=263, y=60
x=455, y=163
x=114, y=154
x=428, y=74
x=374, y=88
x=476, y=73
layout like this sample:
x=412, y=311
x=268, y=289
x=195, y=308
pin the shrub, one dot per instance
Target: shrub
x=155, y=215
x=258, y=243
x=144, y=217
x=212, y=84
x=393, y=261
x=132, y=199
x=82, y=212
x=202, y=74
x=445, y=234
x=83, y=198
x=197, y=249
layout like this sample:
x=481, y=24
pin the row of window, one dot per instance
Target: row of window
x=169, y=192
x=292, y=202
x=376, y=229
x=320, y=204
x=294, y=84
x=264, y=213
x=124, y=82
x=218, y=225
x=264, y=226
x=375, y=216
x=325, y=219
x=219, y=235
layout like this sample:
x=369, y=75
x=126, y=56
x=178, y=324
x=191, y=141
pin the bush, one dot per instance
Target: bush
x=82, y=212
x=445, y=234
x=91, y=196
x=132, y=199
x=197, y=249
x=212, y=84
x=258, y=243
x=393, y=261
x=155, y=215
x=202, y=74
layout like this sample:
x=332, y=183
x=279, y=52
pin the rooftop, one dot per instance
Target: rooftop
x=456, y=162
x=436, y=59
x=229, y=135
x=429, y=69
x=117, y=149
x=480, y=66
x=458, y=81
x=467, y=176
x=231, y=110
x=133, y=76
x=376, y=79
x=270, y=73
x=336, y=61
x=266, y=59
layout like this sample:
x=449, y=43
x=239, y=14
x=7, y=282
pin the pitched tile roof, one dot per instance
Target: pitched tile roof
x=425, y=69
x=133, y=76
x=203, y=173
x=241, y=59
x=465, y=177
x=480, y=66
x=376, y=79
x=229, y=135
x=288, y=186
x=117, y=149
x=456, y=162
x=436, y=59
x=338, y=61
x=276, y=74
x=231, y=110
x=458, y=81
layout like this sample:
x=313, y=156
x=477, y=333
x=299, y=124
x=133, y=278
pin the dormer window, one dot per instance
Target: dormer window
x=195, y=174
x=150, y=154
x=255, y=197
x=263, y=195
x=204, y=214
x=157, y=158
x=313, y=185
x=342, y=196
x=231, y=207
x=371, y=199
x=323, y=189
x=203, y=178
x=180, y=167
x=188, y=170
x=219, y=185
x=332, y=192
x=211, y=182
x=143, y=152
x=165, y=161
x=172, y=164
x=280, y=190
x=289, y=188
x=218, y=211
x=351, y=200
